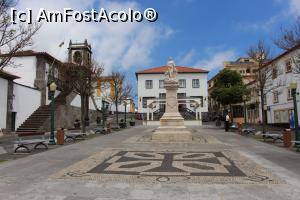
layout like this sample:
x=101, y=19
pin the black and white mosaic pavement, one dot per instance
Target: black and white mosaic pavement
x=197, y=139
x=224, y=167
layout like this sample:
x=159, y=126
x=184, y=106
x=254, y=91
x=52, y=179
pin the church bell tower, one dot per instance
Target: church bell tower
x=80, y=53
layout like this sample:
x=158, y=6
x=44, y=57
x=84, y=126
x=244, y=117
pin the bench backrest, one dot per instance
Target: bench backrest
x=25, y=134
x=30, y=135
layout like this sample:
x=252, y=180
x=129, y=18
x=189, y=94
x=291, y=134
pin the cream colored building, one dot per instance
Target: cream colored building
x=245, y=66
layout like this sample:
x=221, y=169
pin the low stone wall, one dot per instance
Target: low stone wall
x=66, y=115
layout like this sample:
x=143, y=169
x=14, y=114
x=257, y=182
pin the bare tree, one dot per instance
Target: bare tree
x=121, y=90
x=13, y=37
x=260, y=53
x=290, y=37
x=83, y=80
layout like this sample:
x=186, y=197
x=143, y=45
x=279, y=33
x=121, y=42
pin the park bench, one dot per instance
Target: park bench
x=25, y=139
x=100, y=130
x=248, y=130
x=233, y=127
x=73, y=134
x=273, y=136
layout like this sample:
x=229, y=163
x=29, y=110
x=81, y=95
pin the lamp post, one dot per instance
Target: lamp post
x=245, y=109
x=293, y=86
x=52, y=88
x=125, y=103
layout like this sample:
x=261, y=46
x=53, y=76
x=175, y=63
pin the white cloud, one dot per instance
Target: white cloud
x=116, y=45
x=187, y=58
x=216, y=60
x=294, y=6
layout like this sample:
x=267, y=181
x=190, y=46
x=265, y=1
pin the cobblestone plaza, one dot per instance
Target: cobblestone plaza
x=127, y=165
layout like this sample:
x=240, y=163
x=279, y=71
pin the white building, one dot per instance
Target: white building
x=29, y=94
x=192, y=91
x=279, y=101
x=14, y=107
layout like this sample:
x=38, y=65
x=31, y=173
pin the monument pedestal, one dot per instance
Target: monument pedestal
x=172, y=127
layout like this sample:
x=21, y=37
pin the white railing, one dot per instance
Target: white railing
x=153, y=105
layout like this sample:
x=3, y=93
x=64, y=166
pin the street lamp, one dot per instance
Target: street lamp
x=245, y=109
x=293, y=87
x=52, y=88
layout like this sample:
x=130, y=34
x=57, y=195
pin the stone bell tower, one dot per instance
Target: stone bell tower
x=80, y=53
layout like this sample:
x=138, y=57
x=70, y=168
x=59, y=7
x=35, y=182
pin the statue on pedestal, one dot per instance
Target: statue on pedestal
x=172, y=71
x=171, y=123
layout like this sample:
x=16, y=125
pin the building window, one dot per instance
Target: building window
x=199, y=97
x=275, y=97
x=288, y=65
x=182, y=83
x=145, y=101
x=247, y=70
x=274, y=72
x=161, y=84
x=149, y=84
x=195, y=83
x=289, y=94
x=181, y=95
x=238, y=111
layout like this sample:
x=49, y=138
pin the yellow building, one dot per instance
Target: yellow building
x=106, y=92
x=244, y=66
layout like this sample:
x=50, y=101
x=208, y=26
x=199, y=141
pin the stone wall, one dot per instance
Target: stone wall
x=66, y=115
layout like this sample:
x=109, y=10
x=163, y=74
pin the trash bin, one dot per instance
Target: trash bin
x=287, y=138
x=60, y=136
x=240, y=128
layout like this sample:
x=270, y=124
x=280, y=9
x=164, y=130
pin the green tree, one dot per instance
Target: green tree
x=229, y=88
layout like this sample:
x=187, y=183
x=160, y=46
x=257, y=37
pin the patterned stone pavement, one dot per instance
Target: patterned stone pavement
x=127, y=165
x=225, y=167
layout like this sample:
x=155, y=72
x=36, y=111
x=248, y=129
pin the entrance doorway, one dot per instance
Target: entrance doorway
x=13, y=121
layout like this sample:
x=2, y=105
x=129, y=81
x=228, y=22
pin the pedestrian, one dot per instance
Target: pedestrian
x=227, y=121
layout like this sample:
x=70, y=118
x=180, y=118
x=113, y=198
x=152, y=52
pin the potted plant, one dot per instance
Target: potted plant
x=122, y=123
x=132, y=122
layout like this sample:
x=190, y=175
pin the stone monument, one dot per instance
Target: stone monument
x=171, y=123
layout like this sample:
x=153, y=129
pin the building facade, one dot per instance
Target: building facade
x=35, y=71
x=105, y=92
x=279, y=101
x=192, y=91
x=247, y=68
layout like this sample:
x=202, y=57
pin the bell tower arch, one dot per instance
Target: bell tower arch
x=80, y=53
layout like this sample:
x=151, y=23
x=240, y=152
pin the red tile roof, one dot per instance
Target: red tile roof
x=163, y=69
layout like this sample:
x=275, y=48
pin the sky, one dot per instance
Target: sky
x=195, y=33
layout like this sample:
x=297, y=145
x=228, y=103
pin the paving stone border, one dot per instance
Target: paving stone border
x=202, y=167
x=197, y=139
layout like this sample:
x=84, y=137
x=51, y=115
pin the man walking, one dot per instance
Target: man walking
x=227, y=121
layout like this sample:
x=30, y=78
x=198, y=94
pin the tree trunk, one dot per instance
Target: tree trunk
x=86, y=116
x=262, y=98
x=117, y=112
x=82, y=113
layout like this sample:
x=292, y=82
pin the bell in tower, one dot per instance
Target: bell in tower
x=80, y=53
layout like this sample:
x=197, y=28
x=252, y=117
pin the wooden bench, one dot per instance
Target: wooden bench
x=30, y=138
x=73, y=134
x=273, y=136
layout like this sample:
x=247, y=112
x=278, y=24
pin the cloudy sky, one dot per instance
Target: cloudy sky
x=195, y=33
